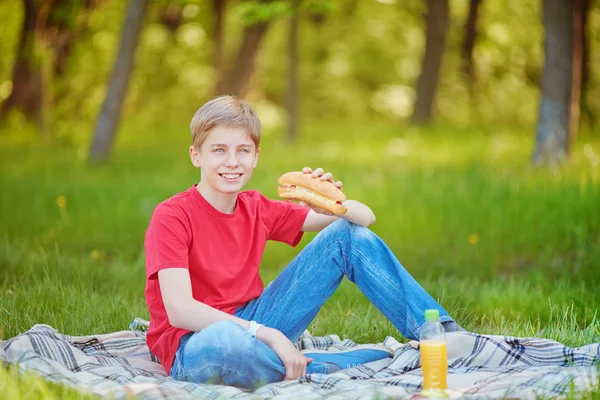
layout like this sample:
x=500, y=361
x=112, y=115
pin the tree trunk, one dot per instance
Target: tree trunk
x=218, y=24
x=28, y=90
x=437, y=21
x=575, y=110
x=469, y=43
x=104, y=133
x=292, y=94
x=171, y=17
x=552, y=138
x=67, y=20
x=59, y=32
x=235, y=81
x=586, y=113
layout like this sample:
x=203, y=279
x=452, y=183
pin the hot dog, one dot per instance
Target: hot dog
x=304, y=187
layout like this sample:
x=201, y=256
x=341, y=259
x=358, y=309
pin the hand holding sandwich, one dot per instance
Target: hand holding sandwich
x=324, y=176
x=319, y=191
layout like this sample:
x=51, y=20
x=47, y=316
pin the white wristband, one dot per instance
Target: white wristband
x=254, y=327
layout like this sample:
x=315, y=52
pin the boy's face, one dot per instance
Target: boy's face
x=226, y=159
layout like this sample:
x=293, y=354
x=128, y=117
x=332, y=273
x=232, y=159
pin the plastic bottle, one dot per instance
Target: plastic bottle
x=434, y=356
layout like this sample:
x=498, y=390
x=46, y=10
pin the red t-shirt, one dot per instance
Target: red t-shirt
x=221, y=251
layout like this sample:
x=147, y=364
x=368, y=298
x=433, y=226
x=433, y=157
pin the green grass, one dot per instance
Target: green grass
x=28, y=386
x=507, y=249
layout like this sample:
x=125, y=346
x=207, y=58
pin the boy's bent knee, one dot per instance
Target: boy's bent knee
x=339, y=227
x=219, y=335
x=223, y=328
x=347, y=229
x=222, y=353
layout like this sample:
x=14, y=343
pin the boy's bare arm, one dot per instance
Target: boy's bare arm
x=357, y=213
x=182, y=309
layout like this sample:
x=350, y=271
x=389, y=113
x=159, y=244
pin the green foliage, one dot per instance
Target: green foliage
x=317, y=7
x=260, y=11
x=65, y=14
x=357, y=60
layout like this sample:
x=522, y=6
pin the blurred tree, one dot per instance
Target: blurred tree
x=218, y=25
x=28, y=89
x=171, y=16
x=235, y=79
x=357, y=59
x=469, y=43
x=59, y=33
x=437, y=22
x=105, y=130
x=66, y=21
x=51, y=25
x=292, y=91
x=578, y=32
x=586, y=112
x=552, y=138
x=62, y=26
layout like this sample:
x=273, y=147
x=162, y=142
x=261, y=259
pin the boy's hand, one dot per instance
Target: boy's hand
x=294, y=362
x=324, y=176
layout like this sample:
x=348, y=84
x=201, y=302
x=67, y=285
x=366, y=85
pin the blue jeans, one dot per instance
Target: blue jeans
x=224, y=353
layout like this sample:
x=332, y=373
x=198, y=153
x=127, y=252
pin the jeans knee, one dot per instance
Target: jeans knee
x=224, y=353
x=213, y=345
x=336, y=230
x=341, y=224
x=359, y=233
x=222, y=331
x=223, y=335
x=342, y=229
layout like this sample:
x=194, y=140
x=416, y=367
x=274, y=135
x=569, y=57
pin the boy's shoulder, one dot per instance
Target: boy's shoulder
x=178, y=201
x=178, y=198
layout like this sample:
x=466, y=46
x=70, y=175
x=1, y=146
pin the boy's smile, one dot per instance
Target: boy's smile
x=226, y=160
x=230, y=177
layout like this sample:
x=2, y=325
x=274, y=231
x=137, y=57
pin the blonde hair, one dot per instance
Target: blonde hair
x=226, y=111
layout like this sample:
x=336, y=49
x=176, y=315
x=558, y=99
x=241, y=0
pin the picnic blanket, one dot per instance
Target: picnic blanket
x=119, y=364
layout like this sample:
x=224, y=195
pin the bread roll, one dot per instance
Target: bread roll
x=307, y=181
x=304, y=187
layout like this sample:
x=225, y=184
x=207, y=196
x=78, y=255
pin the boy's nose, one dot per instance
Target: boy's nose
x=231, y=160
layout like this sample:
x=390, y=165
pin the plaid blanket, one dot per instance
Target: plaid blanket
x=120, y=365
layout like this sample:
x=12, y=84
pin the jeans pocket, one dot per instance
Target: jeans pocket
x=177, y=369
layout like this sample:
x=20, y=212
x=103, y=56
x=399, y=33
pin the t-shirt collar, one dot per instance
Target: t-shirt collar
x=210, y=208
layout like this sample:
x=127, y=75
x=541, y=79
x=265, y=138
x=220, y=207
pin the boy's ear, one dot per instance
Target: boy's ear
x=256, y=157
x=195, y=156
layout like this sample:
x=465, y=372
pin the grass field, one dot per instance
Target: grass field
x=506, y=249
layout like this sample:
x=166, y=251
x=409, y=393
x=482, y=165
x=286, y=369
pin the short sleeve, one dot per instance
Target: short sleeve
x=167, y=240
x=283, y=220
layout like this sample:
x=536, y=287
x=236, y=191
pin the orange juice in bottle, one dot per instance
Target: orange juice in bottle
x=434, y=356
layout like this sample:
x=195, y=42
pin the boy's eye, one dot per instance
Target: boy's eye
x=218, y=150
x=245, y=151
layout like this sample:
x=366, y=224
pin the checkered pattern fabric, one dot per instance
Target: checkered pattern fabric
x=119, y=364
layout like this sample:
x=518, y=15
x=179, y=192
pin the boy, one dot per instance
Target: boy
x=211, y=320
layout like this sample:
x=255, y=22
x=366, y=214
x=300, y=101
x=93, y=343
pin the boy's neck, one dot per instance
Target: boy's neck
x=223, y=202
